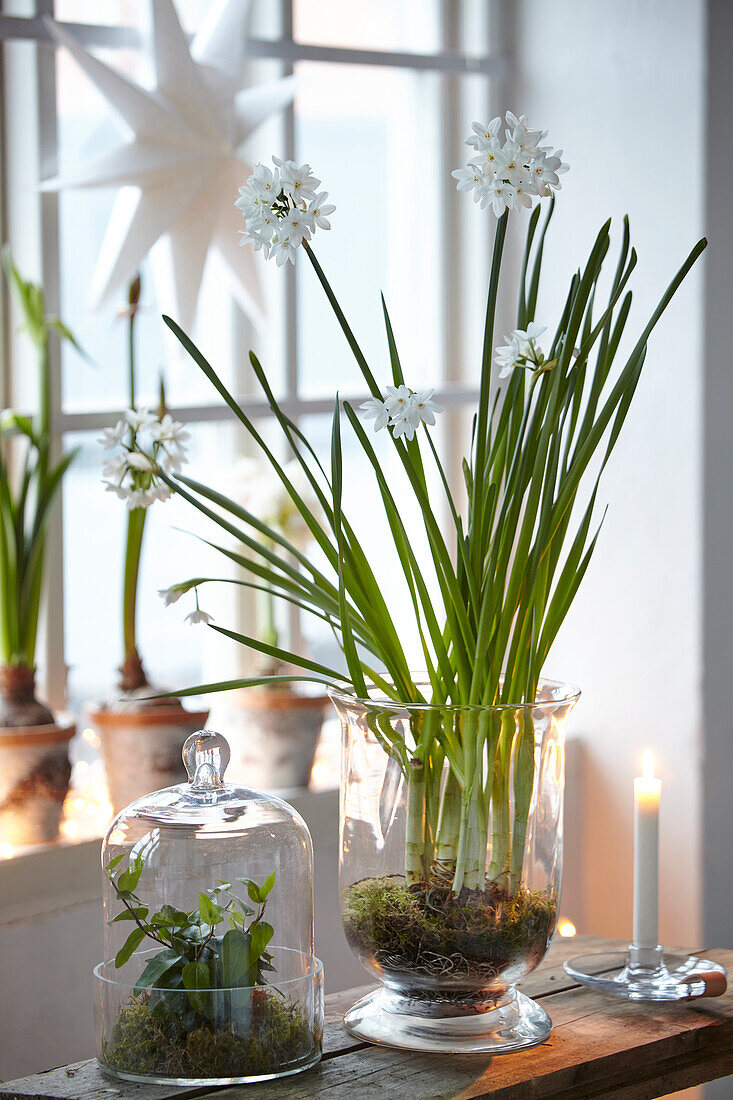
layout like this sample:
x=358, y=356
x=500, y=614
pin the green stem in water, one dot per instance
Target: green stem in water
x=523, y=784
x=433, y=783
x=500, y=815
x=446, y=848
x=462, y=853
x=415, y=832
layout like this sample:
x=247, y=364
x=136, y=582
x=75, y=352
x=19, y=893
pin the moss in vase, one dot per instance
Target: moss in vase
x=157, y=1044
x=423, y=928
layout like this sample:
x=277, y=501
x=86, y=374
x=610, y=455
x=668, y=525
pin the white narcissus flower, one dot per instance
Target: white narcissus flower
x=510, y=167
x=138, y=461
x=376, y=410
x=546, y=169
x=282, y=245
x=499, y=195
x=121, y=491
x=526, y=140
x=508, y=356
x=524, y=191
x=169, y=432
x=511, y=175
x=139, y=498
x=265, y=182
x=397, y=401
x=171, y=595
x=115, y=468
x=320, y=209
x=112, y=437
x=299, y=182
x=423, y=408
x=140, y=418
x=521, y=349
x=469, y=179
x=483, y=136
x=527, y=337
x=403, y=425
x=171, y=462
x=298, y=224
x=199, y=616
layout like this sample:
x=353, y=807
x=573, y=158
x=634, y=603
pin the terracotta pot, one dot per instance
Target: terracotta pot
x=274, y=735
x=141, y=749
x=34, y=780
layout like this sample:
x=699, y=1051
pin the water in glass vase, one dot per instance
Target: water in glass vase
x=450, y=876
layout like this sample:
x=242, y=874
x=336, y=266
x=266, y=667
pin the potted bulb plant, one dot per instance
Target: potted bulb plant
x=274, y=727
x=34, y=744
x=452, y=778
x=141, y=738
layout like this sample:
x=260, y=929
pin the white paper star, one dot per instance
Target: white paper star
x=182, y=152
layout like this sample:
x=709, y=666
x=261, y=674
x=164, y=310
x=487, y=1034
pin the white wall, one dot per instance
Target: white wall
x=620, y=87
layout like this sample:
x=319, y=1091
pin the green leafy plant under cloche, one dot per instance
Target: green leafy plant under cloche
x=201, y=1007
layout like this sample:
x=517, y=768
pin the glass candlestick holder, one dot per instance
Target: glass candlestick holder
x=649, y=974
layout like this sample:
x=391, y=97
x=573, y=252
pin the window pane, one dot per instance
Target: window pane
x=123, y=13
x=404, y=25
x=373, y=138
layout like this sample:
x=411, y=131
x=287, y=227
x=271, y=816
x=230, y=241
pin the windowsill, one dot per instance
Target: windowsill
x=45, y=878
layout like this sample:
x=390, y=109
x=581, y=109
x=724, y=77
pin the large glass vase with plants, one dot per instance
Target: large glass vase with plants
x=452, y=778
x=141, y=739
x=34, y=777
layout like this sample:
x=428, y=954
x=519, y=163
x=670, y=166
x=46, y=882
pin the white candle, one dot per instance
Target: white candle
x=647, y=790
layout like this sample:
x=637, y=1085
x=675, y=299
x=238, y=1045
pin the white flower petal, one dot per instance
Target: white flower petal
x=199, y=616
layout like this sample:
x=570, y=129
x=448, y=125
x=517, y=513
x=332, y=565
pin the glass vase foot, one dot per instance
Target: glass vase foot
x=649, y=974
x=410, y=1023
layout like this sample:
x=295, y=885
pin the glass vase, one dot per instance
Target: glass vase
x=450, y=865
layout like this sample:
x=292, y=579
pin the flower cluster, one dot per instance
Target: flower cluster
x=403, y=410
x=511, y=174
x=521, y=350
x=144, y=444
x=282, y=207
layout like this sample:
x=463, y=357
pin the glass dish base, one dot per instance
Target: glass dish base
x=196, y=1082
x=391, y=1020
x=648, y=974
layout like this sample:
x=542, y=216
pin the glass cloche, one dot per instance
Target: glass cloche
x=209, y=974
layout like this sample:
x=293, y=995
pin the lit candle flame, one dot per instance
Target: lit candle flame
x=647, y=764
x=566, y=928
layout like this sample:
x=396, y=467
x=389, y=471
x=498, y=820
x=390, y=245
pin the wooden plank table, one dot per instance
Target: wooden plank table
x=599, y=1047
